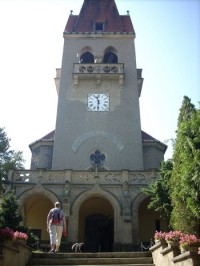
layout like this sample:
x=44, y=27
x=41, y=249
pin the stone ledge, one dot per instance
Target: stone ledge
x=187, y=255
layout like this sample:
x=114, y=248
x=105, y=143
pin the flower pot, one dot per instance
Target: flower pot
x=193, y=249
x=7, y=242
x=162, y=242
x=173, y=243
x=23, y=241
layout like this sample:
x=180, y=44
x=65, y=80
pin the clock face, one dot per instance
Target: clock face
x=98, y=102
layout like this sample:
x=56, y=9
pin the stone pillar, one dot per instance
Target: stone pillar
x=127, y=236
x=135, y=230
x=126, y=210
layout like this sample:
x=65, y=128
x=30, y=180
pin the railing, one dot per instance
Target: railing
x=98, y=68
x=61, y=176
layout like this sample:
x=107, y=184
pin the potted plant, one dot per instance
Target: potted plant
x=189, y=242
x=6, y=235
x=173, y=237
x=159, y=237
x=20, y=237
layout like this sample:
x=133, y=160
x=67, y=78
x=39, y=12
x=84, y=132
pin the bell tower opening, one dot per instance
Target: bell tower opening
x=87, y=57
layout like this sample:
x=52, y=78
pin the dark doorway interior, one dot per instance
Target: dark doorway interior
x=99, y=233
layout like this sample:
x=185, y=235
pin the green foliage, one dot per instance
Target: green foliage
x=32, y=239
x=9, y=212
x=185, y=181
x=186, y=110
x=10, y=217
x=9, y=159
x=159, y=191
x=183, y=220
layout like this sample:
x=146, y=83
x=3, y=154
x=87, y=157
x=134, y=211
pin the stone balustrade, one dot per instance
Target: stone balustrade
x=61, y=176
x=97, y=71
x=98, y=68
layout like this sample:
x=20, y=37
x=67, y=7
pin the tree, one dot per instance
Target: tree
x=9, y=212
x=158, y=191
x=9, y=159
x=185, y=181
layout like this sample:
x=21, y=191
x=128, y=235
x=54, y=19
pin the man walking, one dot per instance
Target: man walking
x=56, y=225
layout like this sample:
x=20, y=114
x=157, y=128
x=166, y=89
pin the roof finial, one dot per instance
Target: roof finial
x=128, y=12
x=71, y=11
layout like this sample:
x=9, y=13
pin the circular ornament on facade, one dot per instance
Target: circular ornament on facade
x=106, y=69
x=90, y=69
x=114, y=69
x=82, y=69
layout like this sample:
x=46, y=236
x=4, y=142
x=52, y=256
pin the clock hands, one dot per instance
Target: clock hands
x=98, y=101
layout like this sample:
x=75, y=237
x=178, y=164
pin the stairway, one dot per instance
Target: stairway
x=108, y=258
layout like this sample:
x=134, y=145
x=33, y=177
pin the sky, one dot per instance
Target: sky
x=31, y=45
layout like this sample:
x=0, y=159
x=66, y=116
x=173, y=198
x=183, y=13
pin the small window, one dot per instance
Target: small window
x=99, y=26
x=110, y=58
x=87, y=58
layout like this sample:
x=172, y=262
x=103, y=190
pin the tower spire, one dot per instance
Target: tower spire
x=99, y=16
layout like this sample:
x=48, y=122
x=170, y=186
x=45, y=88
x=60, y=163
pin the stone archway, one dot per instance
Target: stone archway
x=34, y=206
x=81, y=208
x=96, y=225
x=147, y=227
x=36, y=209
x=145, y=220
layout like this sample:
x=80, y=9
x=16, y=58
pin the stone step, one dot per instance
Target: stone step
x=95, y=255
x=97, y=264
x=110, y=259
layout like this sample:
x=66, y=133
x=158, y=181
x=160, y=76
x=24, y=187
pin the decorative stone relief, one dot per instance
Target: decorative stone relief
x=125, y=189
x=141, y=177
x=126, y=202
x=66, y=206
x=96, y=133
x=67, y=188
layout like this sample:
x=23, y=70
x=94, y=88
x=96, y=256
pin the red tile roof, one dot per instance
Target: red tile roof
x=145, y=137
x=99, y=11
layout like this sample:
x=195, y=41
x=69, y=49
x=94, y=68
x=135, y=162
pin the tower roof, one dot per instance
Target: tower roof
x=101, y=12
x=146, y=138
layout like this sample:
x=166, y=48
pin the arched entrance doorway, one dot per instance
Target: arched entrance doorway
x=98, y=233
x=36, y=209
x=96, y=225
x=149, y=222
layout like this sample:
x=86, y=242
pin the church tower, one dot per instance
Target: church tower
x=97, y=160
x=98, y=115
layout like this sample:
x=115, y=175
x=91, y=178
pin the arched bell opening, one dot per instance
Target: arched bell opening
x=87, y=58
x=110, y=56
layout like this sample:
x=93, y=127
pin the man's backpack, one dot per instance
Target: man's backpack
x=56, y=217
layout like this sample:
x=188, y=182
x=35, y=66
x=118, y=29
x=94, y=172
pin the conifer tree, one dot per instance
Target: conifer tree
x=185, y=181
x=158, y=191
x=9, y=212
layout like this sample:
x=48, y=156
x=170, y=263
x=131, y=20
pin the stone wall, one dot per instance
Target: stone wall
x=168, y=255
x=14, y=253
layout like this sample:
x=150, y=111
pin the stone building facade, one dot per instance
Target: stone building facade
x=98, y=159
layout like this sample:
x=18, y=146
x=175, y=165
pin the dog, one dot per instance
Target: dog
x=78, y=247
